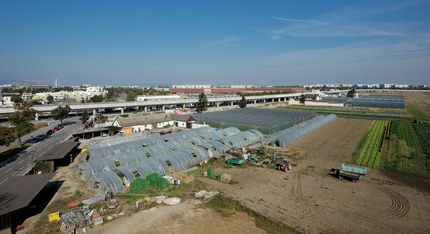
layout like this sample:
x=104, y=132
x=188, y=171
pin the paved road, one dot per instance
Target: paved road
x=21, y=164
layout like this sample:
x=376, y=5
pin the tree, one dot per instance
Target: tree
x=131, y=96
x=7, y=135
x=302, y=99
x=96, y=98
x=242, y=102
x=21, y=119
x=50, y=99
x=202, y=105
x=351, y=93
x=16, y=99
x=61, y=113
x=85, y=116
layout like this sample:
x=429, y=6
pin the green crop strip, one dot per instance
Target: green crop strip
x=369, y=153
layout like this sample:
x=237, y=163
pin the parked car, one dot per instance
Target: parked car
x=36, y=139
x=50, y=132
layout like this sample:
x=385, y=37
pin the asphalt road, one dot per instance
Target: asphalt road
x=21, y=164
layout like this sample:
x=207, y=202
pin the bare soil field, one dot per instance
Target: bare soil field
x=187, y=217
x=311, y=201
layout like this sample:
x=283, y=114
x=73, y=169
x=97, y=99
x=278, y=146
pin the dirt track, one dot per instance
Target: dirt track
x=310, y=200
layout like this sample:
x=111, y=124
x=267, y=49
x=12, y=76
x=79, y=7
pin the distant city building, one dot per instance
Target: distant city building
x=144, y=98
x=26, y=96
x=231, y=90
x=191, y=86
x=77, y=95
x=6, y=101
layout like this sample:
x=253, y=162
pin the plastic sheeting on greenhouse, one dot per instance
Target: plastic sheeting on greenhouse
x=242, y=139
x=148, y=140
x=104, y=164
x=164, y=157
x=118, y=139
x=287, y=136
x=113, y=159
x=376, y=102
x=106, y=182
x=115, y=180
x=264, y=120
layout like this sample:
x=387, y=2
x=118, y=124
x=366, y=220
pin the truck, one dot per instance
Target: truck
x=349, y=171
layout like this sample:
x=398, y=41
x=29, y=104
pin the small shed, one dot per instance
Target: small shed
x=16, y=194
x=182, y=121
x=97, y=132
x=62, y=154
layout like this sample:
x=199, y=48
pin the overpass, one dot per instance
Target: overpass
x=162, y=104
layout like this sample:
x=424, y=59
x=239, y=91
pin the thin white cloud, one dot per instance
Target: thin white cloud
x=348, y=22
x=298, y=20
x=369, y=52
x=224, y=41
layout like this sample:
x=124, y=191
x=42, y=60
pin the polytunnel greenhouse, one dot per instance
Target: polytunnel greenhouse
x=118, y=139
x=103, y=164
x=376, y=102
x=287, y=136
x=266, y=121
x=192, y=136
x=114, y=173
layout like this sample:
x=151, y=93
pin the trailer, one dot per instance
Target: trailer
x=350, y=172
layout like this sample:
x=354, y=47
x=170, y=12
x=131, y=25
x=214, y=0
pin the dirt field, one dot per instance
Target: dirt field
x=311, y=201
x=187, y=217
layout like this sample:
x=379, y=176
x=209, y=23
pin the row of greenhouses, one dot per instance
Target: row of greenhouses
x=195, y=135
x=376, y=102
x=139, y=136
x=285, y=137
x=114, y=173
x=266, y=121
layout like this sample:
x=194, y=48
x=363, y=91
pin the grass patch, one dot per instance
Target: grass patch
x=404, y=152
x=227, y=206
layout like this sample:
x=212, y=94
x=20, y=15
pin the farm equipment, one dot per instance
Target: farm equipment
x=258, y=151
x=349, y=171
x=285, y=165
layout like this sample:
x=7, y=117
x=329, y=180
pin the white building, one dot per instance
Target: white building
x=192, y=86
x=77, y=95
x=143, y=98
x=6, y=101
x=94, y=89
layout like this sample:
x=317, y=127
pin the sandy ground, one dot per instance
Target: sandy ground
x=187, y=217
x=311, y=201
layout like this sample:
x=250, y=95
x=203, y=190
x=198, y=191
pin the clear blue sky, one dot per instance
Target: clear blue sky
x=215, y=42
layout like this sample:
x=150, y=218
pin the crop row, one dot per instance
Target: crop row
x=369, y=153
x=423, y=132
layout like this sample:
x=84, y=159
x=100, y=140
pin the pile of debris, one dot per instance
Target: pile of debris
x=81, y=216
x=205, y=195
